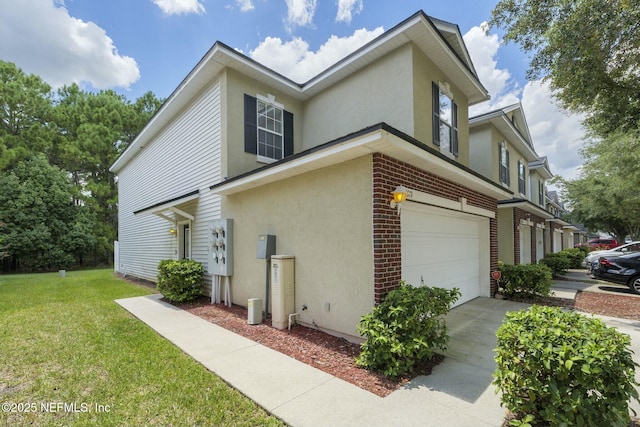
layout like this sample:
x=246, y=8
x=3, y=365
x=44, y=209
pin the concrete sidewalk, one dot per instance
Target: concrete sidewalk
x=457, y=393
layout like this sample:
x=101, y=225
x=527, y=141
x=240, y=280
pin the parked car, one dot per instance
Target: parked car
x=593, y=256
x=599, y=243
x=624, y=269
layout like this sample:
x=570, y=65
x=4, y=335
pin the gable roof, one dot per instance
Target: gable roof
x=439, y=40
x=511, y=122
x=541, y=165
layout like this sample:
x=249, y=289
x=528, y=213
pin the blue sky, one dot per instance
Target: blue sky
x=134, y=46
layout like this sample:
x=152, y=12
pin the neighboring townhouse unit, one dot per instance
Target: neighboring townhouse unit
x=562, y=232
x=501, y=149
x=315, y=164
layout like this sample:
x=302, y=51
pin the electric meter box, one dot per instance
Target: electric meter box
x=266, y=246
x=282, y=290
x=221, y=247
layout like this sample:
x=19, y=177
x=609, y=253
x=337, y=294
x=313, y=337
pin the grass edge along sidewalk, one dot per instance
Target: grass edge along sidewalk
x=71, y=356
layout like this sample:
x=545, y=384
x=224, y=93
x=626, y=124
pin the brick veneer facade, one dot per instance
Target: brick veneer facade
x=519, y=214
x=388, y=173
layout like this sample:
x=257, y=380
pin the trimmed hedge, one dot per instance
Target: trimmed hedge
x=180, y=280
x=525, y=280
x=558, y=262
x=561, y=368
x=575, y=256
x=405, y=328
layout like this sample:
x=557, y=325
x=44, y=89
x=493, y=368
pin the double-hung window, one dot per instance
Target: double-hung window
x=445, y=119
x=268, y=130
x=522, y=187
x=541, y=193
x=270, y=136
x=503, y=159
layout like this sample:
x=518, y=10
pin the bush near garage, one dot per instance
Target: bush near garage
x=180, y=280
x=405, y=328
x=558, y=262
x=575, y=256
x=561, y=368
x=525, y=281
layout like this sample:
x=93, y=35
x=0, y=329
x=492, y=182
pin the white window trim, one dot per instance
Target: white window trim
x=269, y=99
x=180, y=251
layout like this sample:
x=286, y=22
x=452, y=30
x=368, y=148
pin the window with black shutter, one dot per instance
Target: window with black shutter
x=445, y=120
x=503, y=158
x=268, y=129
x=522, y=178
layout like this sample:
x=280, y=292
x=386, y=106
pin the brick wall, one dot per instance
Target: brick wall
x=388, y=173
x=519, y=214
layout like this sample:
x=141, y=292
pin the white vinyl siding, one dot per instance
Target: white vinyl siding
x=182, y=157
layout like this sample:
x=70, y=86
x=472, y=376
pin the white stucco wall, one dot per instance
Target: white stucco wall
x=382, y=92
x=324, y=219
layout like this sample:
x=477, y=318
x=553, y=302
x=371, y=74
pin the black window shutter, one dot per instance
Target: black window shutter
x=250, y=125
x=287, y=119
x=435, y=105
x=454, y=130
x=508, y=172
x=500, y=167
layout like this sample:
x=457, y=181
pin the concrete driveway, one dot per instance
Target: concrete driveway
x=468, y=370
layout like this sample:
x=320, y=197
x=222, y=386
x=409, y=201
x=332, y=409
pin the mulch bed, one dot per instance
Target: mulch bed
x=328, y=353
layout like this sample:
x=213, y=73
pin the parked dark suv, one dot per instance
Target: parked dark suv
x=599, y=243
x=623, y=269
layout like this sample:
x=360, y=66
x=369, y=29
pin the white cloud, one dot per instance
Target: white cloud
x=43, y=39
x=483, y=49
x=294, y=59
x=300, y=12
x=179, y=7
x=555, y=133
x=245, y=5
x=346, y=10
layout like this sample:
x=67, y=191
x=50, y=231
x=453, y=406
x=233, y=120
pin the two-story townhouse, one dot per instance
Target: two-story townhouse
x=317, y=165
x=540, y=174
x=501, y=149
x=562, y=231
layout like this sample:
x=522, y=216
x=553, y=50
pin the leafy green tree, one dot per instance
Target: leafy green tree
x=589, y=51
x=93, y=130
x=41, y=221
x=606, y=195
x=25, y=105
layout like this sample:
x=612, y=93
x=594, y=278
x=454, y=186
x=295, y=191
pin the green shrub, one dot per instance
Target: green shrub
x=558, y=262
x=525, y=280
x=405, y=328
x=180, y=280
x=575, y=256
x=561, y=368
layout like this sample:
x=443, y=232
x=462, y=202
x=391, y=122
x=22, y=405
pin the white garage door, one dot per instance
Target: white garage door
x=446, y=249
x=525, y=244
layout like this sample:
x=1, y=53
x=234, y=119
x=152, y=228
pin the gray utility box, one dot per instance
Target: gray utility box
x=221, y=247
x=266, y=246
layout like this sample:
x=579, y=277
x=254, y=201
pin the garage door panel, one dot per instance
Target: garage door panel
x=442, y=248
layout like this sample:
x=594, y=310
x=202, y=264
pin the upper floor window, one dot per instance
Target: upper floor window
x=503, y=158
x=270, y=137
x=541, y=193
x=522, y=187
x=268, y=130
x=445, y=119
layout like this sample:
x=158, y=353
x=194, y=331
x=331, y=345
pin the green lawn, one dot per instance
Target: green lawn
x=64, y=341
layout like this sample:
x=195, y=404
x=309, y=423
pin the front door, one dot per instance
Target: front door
x=184, y=240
